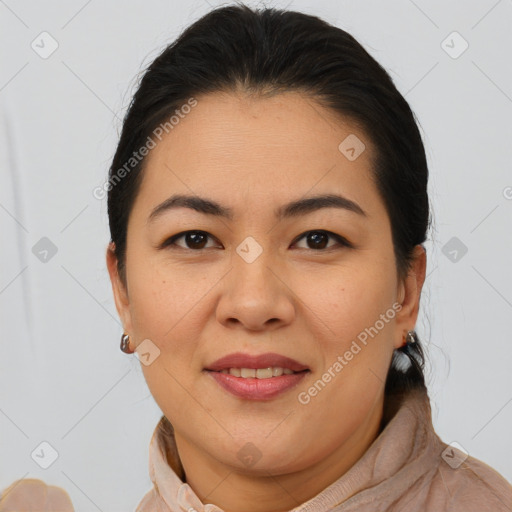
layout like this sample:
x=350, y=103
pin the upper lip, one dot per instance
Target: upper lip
x=269, y=359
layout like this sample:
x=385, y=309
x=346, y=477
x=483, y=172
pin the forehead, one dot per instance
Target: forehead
x=265, y=149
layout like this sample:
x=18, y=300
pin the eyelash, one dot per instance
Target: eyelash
x=343, y=242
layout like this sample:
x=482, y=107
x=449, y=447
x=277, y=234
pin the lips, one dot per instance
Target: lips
x=248, y=377
x=241, y=360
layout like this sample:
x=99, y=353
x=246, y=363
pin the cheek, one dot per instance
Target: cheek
x=162, y=299
x=346, y=301
x=170, y=307
x=355, y=347
x=164, y=310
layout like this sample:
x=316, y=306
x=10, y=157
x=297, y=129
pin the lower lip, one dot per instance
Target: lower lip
x=257, y=389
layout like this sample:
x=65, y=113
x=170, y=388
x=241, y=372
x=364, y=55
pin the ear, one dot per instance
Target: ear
x=119, y=289
x=409, y=295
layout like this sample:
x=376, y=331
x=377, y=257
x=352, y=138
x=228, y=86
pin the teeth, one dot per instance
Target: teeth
x=277, y=372
x=263, y=373
x=259, y=373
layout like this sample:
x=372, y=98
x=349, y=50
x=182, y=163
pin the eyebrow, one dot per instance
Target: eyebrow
x=289, y=210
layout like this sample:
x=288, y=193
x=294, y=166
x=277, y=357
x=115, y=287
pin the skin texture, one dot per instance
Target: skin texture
x=254, y=154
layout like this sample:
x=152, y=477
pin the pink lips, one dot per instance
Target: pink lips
x=254, y=388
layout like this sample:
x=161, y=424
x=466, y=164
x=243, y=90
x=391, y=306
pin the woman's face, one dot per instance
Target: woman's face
x=255, y=282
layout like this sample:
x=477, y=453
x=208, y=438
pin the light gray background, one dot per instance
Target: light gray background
x=63, y=379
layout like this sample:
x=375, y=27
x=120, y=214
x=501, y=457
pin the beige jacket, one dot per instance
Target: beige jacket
x=407, y=468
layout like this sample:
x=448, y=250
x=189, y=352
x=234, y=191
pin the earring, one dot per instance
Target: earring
x=409, y=338
x=125, y=344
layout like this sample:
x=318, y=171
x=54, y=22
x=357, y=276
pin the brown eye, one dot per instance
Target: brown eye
x=194, y=240
x=318, y=240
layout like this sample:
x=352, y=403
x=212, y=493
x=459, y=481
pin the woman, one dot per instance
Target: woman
x=268, y=208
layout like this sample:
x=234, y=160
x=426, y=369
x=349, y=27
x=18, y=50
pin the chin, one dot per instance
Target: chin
x=261, y=456
x=265, y=465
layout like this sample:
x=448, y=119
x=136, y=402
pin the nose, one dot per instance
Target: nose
x=255, y=295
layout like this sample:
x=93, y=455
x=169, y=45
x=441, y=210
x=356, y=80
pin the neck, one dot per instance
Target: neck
x=237, y=490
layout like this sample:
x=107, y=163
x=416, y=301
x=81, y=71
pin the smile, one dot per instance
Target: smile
x=256, y=377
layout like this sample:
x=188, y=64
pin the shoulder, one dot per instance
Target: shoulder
x=470, y=486
x=31, y=494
